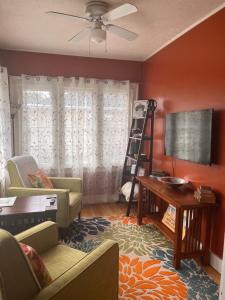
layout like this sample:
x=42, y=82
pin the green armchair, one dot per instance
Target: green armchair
x=75, y=274
x=67, y=189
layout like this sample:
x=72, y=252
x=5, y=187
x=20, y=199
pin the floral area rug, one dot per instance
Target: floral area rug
x=145, y=266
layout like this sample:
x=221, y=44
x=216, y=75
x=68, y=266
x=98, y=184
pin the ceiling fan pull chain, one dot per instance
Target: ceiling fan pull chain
x=106, y=44
x=89, y=46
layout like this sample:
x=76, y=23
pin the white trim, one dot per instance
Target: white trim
x=71, y=53
x=187, y=29
x=222, y=283
x=216, y=262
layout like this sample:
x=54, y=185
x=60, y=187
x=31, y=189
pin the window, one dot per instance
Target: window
x=38, y=126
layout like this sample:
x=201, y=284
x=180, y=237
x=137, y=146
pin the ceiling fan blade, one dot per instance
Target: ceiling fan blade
x=122, y=32
x=119, y=12
x=67, y=15
x=80, y=35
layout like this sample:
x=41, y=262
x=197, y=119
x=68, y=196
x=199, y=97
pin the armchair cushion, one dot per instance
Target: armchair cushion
x=93, y=277
x=60, y=259
x=40, y=180
x=37, y=265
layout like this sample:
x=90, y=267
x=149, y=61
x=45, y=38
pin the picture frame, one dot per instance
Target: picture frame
x=140, y=109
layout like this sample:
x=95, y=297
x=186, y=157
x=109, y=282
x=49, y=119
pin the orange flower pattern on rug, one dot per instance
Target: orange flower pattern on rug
x=146, y=260
x=128, y=220
x=148, y=280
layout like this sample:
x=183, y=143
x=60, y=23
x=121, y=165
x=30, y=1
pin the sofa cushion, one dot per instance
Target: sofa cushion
x=37, y=265
x=40, y=180
x=61, y=258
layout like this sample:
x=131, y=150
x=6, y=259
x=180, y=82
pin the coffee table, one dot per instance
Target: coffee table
x=27, y=212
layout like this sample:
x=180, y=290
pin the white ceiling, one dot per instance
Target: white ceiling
x=25, y=26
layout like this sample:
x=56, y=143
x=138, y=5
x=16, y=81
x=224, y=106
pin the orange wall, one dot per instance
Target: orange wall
x=19, y=62
x=189, y=74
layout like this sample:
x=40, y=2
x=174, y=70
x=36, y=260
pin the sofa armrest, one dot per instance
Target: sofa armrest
x=94, y=277
x=71, y=183
x=41, y=237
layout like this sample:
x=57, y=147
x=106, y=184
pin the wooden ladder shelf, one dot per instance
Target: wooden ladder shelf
x=138, y=139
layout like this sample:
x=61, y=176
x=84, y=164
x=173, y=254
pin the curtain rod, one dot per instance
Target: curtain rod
x=76, y=77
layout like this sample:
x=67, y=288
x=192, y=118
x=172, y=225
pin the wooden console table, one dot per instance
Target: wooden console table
x=196, y=241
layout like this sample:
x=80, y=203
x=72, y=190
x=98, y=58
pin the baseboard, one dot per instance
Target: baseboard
x=216, y=262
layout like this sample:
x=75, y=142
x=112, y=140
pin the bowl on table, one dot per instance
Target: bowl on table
x=172, y=181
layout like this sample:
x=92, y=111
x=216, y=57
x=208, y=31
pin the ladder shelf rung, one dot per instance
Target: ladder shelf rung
x=140, y=159
x=135, y=138
x=131, y=157
x=139, y=139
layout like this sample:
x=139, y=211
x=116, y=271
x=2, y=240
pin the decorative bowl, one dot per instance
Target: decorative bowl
x=172, y=181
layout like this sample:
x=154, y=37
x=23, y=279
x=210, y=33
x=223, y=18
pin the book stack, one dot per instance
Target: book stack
x=204, y=194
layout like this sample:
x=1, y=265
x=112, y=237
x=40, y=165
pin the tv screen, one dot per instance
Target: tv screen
x=188, y=135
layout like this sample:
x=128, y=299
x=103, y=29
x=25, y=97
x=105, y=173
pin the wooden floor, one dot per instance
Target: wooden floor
x=116, y=209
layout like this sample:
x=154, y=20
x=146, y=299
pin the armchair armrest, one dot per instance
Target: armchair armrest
x=71, y=183
x=24, y=191
x=62, y=194
x=41, y=237
x=94, y=277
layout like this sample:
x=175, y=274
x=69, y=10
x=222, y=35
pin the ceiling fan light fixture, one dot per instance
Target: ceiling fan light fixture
x=98, y=35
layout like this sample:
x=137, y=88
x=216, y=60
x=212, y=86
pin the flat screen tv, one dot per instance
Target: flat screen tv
x=188, y=135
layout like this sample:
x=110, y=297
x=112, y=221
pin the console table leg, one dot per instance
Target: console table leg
x=140, y=204
x=178, y=238
x=206, y=236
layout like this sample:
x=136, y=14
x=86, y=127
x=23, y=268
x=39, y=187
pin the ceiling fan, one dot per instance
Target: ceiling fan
x=98, y=15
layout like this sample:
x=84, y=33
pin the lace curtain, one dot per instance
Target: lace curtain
x=5, y=127
x=76, y=127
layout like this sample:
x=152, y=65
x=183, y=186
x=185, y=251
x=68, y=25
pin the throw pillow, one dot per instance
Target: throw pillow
x=40, y=180
x=37, y=265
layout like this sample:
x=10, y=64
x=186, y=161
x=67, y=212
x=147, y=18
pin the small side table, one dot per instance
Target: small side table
x=28, y=212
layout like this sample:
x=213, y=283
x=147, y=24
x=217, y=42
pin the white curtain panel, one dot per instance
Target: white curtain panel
x=77, y=127
x=5, y=127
